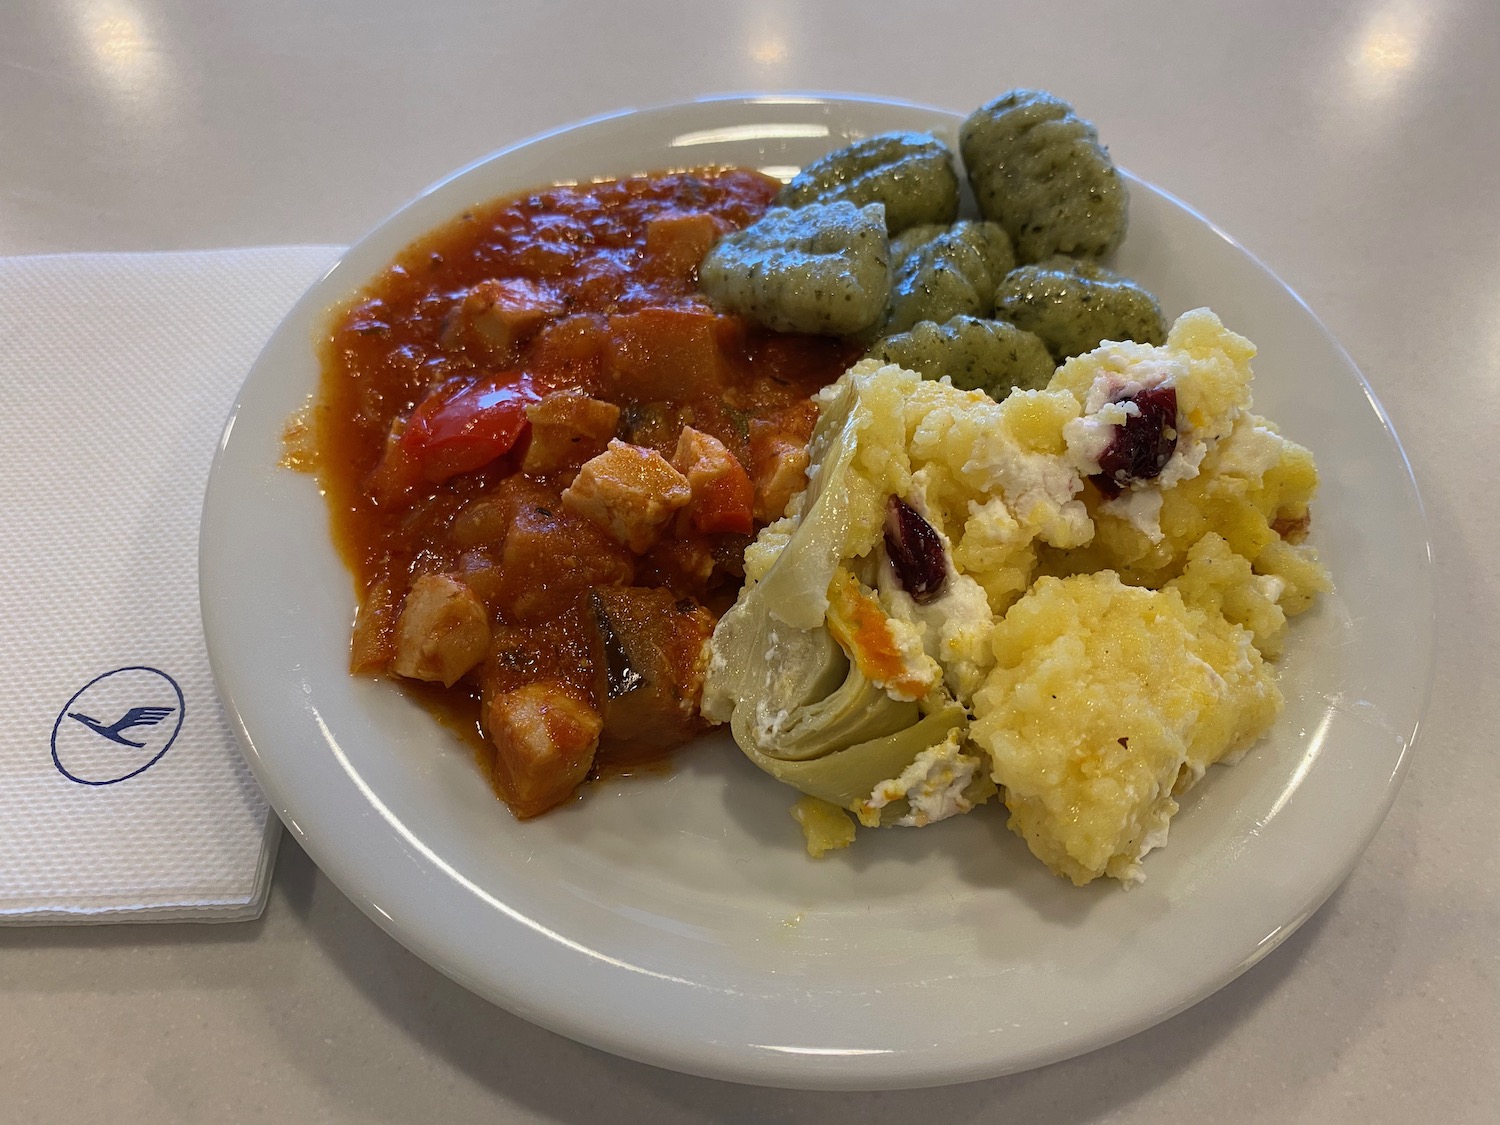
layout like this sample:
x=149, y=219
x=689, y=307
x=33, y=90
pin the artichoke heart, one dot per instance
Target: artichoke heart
x=848, y=776
x=819, y=686
x=856, y=711
x=841, y=513
x=805, y=713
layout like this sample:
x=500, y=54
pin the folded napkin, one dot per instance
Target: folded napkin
x=123, y=796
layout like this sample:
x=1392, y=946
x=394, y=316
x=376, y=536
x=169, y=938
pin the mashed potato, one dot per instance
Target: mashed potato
x=1122, y=550
x=1105, y=699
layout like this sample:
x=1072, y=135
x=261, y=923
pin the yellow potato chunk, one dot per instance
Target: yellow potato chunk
x=825, y=826
x=1217, y=580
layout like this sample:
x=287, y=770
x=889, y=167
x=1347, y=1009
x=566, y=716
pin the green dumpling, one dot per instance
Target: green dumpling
x=954, y=273
x=1038, y=170
x=976, y=355
x=1074, y=306
x=823, y=268
x=908, y=240
x=910, y=173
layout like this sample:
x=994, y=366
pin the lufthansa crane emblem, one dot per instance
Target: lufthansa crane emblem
x=118, y=725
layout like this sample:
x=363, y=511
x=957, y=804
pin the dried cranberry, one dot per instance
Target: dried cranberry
x=915, y=550
x=1143, y=443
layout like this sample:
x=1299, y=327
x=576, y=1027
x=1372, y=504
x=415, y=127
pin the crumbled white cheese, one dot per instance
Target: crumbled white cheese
x=1271, y=587
x=1144, y=373
x=1039, y=488
x=1089, y=436
x=1139, y=507
x=953, y=629
x=920, y=672
x=1185, y=460
x=1252, y=452
x=1108, y=405
x=933, y=785
x=1155, y=837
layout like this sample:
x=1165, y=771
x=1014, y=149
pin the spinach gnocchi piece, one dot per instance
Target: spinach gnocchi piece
x=823, y=268
x=952, y=274
x=1074, y=306
x=976, y=355
x=1038, y=169
x=908, y=240
x=911, y=173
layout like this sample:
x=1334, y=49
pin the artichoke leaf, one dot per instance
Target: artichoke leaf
x=842, y=510
x=795, y=589
x=855, y=712
x=762, y=666
x=848, y=776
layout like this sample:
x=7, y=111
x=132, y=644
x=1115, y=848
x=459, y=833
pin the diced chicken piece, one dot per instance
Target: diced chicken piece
x=443, y=630
x=700, y=455
x=567, y=429
x=779, y=466
x=649, y=647
x=630, y=492
x=723, y=497
x=545, y=738
x=676, y=242
x=668, y=355
x=781, y=477
x=502, y=312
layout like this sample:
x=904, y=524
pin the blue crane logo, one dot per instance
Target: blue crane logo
x=118, y=725
x=135, y=717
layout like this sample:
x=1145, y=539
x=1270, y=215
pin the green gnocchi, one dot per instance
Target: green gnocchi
x=975, y=355
x=821, y=268
x=911, y=174
x=952, y=274
x=1075, y=305
x=1038, y=169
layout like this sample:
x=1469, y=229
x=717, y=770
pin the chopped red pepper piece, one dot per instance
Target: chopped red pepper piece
x=724, y=503
x=723, y=497
x=456, y=429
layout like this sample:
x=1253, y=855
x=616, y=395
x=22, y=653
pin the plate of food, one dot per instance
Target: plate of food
x=819, y=591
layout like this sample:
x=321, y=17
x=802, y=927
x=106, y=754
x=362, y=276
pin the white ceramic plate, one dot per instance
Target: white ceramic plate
x=676, y=920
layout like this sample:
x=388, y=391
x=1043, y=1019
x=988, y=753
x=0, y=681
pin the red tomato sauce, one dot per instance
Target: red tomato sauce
x=464, y=390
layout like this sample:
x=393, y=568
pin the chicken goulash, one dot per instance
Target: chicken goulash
x=546, y=452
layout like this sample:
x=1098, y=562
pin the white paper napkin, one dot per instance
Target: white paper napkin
x=123, y=796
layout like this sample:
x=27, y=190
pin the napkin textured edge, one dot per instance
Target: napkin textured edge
x=127, y=908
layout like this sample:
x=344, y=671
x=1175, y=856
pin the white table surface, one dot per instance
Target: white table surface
x=1353, y=146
